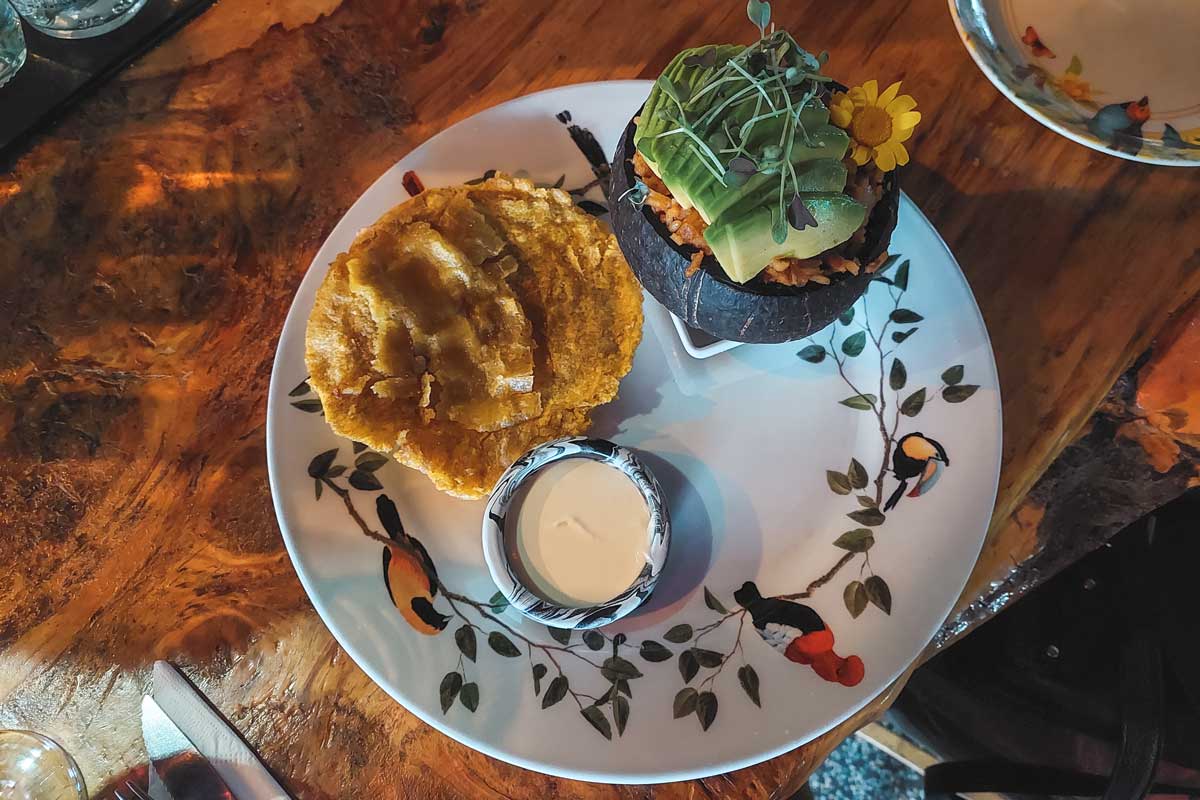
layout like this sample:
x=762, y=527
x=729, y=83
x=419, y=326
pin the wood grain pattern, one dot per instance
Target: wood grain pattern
x=151, y=247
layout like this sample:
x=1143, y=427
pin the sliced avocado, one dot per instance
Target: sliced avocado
x=744, y=246
x=713, y=199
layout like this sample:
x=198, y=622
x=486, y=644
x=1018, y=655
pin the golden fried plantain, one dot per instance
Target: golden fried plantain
x=470, y=324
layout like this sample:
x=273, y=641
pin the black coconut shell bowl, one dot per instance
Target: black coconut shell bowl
x=756, y=311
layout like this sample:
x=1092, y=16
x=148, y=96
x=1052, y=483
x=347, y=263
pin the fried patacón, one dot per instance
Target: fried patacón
x=470, y=324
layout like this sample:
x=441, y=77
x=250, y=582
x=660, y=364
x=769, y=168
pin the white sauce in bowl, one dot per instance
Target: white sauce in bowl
x=577, y=532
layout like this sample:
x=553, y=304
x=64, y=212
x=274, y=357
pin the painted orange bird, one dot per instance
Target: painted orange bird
x=409, y=574
x=798, y=632
x=1036, y=44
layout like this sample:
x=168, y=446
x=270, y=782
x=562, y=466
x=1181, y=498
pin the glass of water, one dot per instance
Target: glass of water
x=12, y=42
x=77, y=19
x=35, y=767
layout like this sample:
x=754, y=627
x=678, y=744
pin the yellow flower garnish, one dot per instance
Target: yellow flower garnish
x=877, y=123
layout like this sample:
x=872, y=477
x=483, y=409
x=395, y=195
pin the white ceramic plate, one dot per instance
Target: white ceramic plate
x=1120, y=76
x=763, y=456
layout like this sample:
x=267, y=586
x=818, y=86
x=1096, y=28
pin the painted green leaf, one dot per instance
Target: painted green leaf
x=913, y=404
x=539, y=672
x=358, y=447
x=855, y=598
x=898, y=375
x=301, y=389
x=847, y=316
x=366, y=481
x=600, y=722
x=866, y=501
x=469, y=696
x=620, y=713
x=887, y=264
x=317, y=487
x=679, y=633
x=464, y=637
x=369, y=462
x=859, y=540
x=502, y=645
x=953, y=375
x=335, y=471
x=707, y=658
x=748, y=678
x=853, y=344
x=900, y=336
x=879, y=593
x=706, y=709
x=712, y=602
x=556, y=691
x=857, y=474
x=560, y=635
x=608, y=693
x=498, y=603
x=616, y=668
x=900, y=277
x=860, y=402
x=814, y=354
x=310, y=406
x=685, y=702
x=653, y=651
x=593, y=639
x=867, y=516
x=838, y=482
x=617, y=641
x=448, y=690
x=623, y=688
x=688, y=666
x=905, y=316
x=1075, y=67
x=321, y=463
x=959, y=393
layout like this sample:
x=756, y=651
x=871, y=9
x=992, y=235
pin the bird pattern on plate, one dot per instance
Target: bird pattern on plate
x=597, y=680
x=1072, y=98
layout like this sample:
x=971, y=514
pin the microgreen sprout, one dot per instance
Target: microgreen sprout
x=772, y=79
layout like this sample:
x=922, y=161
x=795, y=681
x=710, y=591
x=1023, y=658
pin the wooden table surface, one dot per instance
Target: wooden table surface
x=150, y=247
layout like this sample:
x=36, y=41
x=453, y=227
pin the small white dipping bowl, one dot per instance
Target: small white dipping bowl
x=523, y=598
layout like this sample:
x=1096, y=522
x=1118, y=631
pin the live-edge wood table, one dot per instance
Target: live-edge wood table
x=151, y=243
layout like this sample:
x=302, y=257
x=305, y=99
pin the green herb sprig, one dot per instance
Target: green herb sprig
x=781, y=79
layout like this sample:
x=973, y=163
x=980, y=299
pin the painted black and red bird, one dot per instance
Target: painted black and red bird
x=800, y=634
x=1119, y=125
x=409, y=574
x=920, y=457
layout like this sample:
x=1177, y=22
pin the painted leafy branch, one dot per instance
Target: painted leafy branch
x=612, y=664
x=899, y=326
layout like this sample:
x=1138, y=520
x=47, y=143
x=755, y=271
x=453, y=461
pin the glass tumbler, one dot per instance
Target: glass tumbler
x=77, y=19
x=35, y=767
x=12, y=42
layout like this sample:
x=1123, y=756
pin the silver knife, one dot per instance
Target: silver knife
x=186, y=774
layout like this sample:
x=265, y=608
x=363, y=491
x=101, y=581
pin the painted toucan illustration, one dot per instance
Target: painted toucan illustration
x=1119, y=125
x=800, y=634
x=920, y=457
x=409, y=574
x=1035, y=43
